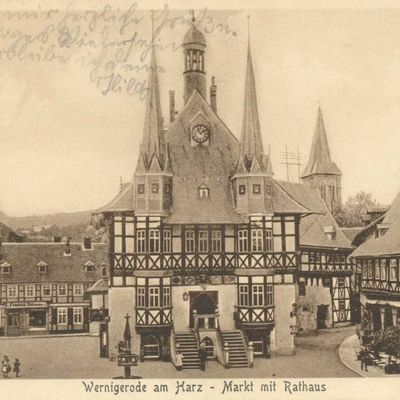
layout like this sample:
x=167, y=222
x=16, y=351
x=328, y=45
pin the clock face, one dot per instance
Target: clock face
x=200, y=133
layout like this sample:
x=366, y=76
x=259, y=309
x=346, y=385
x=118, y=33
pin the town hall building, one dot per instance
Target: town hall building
x=204, y=244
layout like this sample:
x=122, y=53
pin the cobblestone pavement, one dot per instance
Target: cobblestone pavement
x=77, y=357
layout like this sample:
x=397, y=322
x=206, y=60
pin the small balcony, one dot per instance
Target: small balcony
x=255, y=315
x=153, y=316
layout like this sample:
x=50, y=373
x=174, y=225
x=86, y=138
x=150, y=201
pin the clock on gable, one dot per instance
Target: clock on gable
x=200, y=133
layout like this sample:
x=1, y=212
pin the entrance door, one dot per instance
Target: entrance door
x=322, y=316
x=13, y=324
x=204, y=303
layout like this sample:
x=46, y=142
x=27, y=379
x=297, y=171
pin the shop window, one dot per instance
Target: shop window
x=37, y=318
x=78, y=315
x=62, y=316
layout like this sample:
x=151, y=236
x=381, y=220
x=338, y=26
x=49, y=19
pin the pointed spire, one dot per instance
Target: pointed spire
x=153, y=137
x=250, y=143
x=320, y=161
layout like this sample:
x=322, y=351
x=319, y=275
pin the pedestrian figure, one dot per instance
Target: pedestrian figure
x=17, y=366
x=363, y=359
x=179, y=360
x=202, y=357
x=5, y=366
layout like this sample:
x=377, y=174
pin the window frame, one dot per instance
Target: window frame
x=141, y=241
x=243, y=299
x=62, y=316
x=15, y=290
x=243, y=241
x=47, y=286
x=141, y=188
x=78, y=286
x=216, y=241
x=203, y=241
x=77, y=312
x=242, y=189
x=257, y=240
x=59, y=286
x=154, y=296
x=258, y=292
x=256, y=188
x=31, y=289
x=190, y=245
x=154, y=240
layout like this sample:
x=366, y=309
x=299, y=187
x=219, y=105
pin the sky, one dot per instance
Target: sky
x=68, y=131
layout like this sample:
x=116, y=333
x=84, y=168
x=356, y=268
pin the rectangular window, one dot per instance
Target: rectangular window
x=155, y=188
x=12, y=290
x=140, y=188
x=154, y=241
x=377, y=270
x=258, y=295
x=383, y=270
x=141, y=296
x=393, y=269
x=62, y=316
x=166, y=296
x=243, y=295
x=242, y=238
x=216, y=241
x=270, y=295
x=256, y=240
x=203, y=241
x=62, y=289
x=30, y=291
x=167, y=241
x=189, y=241
x=268, y=241
x=141, y=241
x=46, y=290
x=154, y=297
x=364, y=270
x=256, y=189
x=78, y=315
x=78, y=289
x=242, y=189
x=370, y=269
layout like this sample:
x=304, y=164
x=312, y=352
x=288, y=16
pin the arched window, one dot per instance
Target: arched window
x=204, y=191
x=209, y=346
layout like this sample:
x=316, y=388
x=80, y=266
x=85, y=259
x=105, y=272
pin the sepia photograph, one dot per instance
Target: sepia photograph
x=198, y=192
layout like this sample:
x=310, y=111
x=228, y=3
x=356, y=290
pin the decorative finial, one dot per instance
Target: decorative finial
x=152, y=24
x=248, y=27
x=193, y=17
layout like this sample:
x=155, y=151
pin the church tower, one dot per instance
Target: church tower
x=194, y=45
x=153, y=175
x=321, y=172
x=252, y=179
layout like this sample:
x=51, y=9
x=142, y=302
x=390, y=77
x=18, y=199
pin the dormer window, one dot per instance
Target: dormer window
x=204, y=191
x=381, y=229
x=90, y=267
x=242, y=189
x=42, y=267
x=330, y=232
x=5, y=268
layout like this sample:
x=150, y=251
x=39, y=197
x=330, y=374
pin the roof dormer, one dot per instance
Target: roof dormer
x=42, y=267
x=5, y=268
x=330, y=232
x=89, y=266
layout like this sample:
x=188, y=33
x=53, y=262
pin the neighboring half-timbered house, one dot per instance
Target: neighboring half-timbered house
x=204, y=243
x=378, y=257
x=43, y=286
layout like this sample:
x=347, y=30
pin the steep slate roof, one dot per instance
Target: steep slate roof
x=99, y=287
x=389, y=243
x=320, y=161
x=9, y=235
x=123, y=201
x=194, y=36
x=312, y=226
x=24, y=258
x=351, y=233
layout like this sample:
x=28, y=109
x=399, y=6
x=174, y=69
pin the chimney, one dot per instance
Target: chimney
x=171, y=106
x=213, y=95
x=87, y=243
x=67, y=249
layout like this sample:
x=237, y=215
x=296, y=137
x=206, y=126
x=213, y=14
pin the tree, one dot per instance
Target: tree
x=352, y=212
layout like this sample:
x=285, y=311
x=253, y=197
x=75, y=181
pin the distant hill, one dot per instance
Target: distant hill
x=58, y=219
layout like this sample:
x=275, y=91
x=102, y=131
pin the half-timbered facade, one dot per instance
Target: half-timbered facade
x=378, y=257
x=43, y=286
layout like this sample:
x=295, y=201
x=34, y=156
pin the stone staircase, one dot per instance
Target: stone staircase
x=187, y=344
x=237, y=348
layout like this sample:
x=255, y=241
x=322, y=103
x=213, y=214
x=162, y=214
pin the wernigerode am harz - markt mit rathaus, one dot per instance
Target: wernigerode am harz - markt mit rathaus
x=207, y=248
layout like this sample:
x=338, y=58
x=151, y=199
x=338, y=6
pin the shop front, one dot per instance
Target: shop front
x=25, y=318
